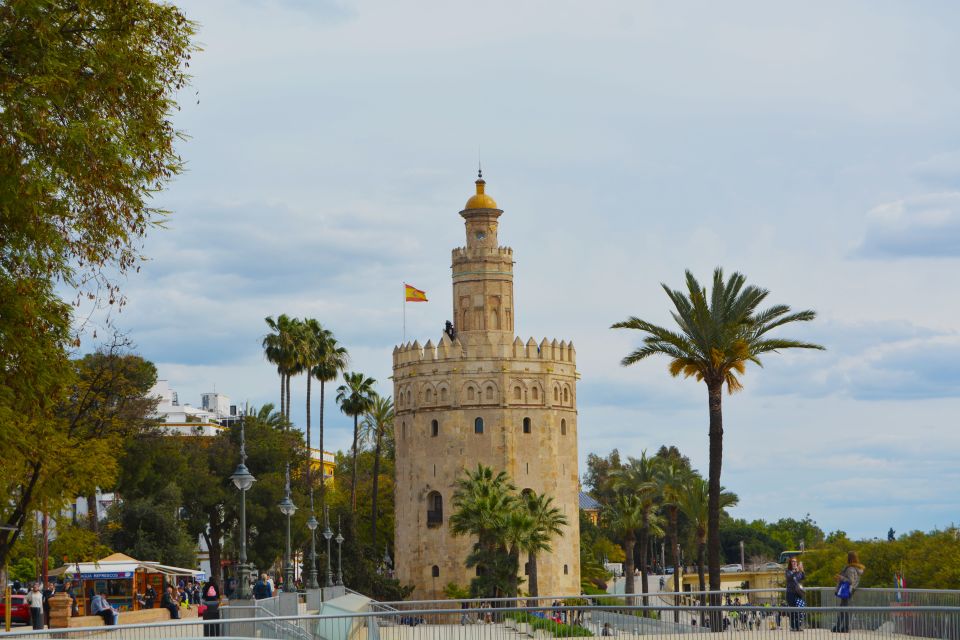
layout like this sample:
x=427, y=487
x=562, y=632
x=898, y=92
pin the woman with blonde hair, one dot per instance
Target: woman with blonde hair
x=847, y=582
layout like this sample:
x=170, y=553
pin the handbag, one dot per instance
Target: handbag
x=843, y=590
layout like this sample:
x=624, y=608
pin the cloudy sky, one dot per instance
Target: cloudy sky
x=815, y=147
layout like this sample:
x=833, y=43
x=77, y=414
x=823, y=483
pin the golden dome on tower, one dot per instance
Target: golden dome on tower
x=480, y=200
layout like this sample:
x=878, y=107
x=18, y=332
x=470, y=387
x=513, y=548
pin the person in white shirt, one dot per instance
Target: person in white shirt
x=35, y=601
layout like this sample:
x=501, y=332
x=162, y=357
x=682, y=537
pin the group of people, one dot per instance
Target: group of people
x=38, y=599
x=847, y=582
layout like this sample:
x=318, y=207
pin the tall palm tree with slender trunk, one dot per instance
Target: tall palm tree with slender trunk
x=719, y=333
x=624, y=517
x=548, y=522
x=355, y=398
x=331, y=360
x=638, y=477
x=281, y=348
x=377, y=422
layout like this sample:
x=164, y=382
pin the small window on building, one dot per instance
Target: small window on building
x=566, y=395
x=526, y=425
x=566, y=570
x=526, y=568
x=403, y=430
x=471, y=395
x=429, y=397
x=481, y=570
x=443, y=394
x=556, y=394
x=435, y=571
x=489, y=393
x=563, y=427
x=478, y=425
x=434, y=509
x=434, y=428
x=536, y=393
x=517, y=393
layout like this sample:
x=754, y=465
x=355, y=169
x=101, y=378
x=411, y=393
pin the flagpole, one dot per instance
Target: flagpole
x=404, y=314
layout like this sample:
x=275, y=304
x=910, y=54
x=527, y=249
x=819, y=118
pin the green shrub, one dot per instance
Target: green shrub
x=558, y=629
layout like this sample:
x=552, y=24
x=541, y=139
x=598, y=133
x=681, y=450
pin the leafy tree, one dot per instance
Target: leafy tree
x=148, y=528
x=76, y=544
x=672, y=479
x=377, y=423
x=355, y=398
x=86, y=90
x=102, y=402
x=600, y=475
x=718, y=335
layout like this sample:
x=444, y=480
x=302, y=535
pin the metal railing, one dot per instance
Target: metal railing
x=512, y=619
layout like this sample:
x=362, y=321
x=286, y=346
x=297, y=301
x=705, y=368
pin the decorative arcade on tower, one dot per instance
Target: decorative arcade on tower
x=482, y=395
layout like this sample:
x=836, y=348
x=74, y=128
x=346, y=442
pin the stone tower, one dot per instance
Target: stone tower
x=484, y=397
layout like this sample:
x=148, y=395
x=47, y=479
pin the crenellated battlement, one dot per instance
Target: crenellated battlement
x=446, y=349
x=470, y=253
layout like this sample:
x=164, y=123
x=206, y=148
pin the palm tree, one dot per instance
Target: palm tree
x=694, y=504
x=281, y=348
x=331, y=360
x=638, y=477
x=355, y=398
x=624, y=517
x=547, y=520
x=672, y=479
x=718, y=335
x=482, y=503
x=519, y=534
x=377, y=422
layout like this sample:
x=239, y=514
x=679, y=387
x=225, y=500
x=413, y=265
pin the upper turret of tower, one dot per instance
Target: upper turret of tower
x=480, y=200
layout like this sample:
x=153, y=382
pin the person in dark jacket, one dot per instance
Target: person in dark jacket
x=210, y=598
x=149, y=597
x=795, y=592
x=851, y=576
x=171, y=603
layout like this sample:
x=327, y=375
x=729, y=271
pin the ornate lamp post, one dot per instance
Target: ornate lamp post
x=312, y=525
x=287, y=508
x=327, y=534
x=339, y=553
x=243, y=480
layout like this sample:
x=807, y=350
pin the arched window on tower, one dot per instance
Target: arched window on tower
x=535, y=392
x=517, y=393
x=471, y=394
x=429, y=396
x=435, y=571
x=566, y=395
x=478, y=425
x=563, y=427
x=443, y=394
x=490, y=392
x=409, y=397
x=527, y=428
x=434, y=428
x=556, y=394
x=434, y=509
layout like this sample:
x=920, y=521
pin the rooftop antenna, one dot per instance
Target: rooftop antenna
x=479, y=165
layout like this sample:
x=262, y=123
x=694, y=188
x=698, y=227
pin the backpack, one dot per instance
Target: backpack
x=261, y=590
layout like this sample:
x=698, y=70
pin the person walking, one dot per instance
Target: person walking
x=35, y=602
x=47, y=593
x=847, y=582
x=211, y=600
x=795, y=592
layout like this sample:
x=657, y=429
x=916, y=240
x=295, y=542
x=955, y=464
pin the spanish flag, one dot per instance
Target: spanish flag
x=413, y=294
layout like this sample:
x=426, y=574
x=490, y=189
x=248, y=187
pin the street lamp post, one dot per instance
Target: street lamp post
x=243, y=480
x=312, y=525
x=339, y=553
x=327, y=533
x=287, y=508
